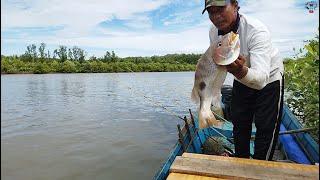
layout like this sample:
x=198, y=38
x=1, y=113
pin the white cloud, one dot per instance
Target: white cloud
x=80, y=15
x=139, y=22
x=179, y=18
x=192, y=40
x=288, y=24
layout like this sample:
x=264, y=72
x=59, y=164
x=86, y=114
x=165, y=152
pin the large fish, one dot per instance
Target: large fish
x=209, y=77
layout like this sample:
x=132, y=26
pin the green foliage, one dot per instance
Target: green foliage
x=41, y=51
x=66, y=60
x=5, y=65
x=68, y=67
x=55, y=66
x=10, y=65
x=61, y=53
x=31, y=53
x=110, y=57
x=72, y=60
x=41, y=68
x=302, y=84
x=76, y=54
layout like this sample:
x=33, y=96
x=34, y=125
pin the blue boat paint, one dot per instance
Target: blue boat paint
x=289, y=122
x=197, y=144
x=292, y=149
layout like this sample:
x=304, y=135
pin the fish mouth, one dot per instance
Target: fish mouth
x=229, y=52
x=233, y=39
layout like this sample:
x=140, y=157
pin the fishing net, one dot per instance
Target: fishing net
x=215, y=146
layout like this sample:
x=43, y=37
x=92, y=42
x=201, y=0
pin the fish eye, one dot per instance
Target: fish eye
x=219, y=44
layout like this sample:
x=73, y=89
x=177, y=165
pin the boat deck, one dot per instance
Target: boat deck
x=204, y=167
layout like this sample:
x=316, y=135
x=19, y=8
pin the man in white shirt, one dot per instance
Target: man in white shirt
x=257, y=93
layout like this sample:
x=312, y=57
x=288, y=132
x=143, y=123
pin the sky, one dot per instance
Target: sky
x=142, y=27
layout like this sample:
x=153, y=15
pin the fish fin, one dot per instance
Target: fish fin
x=195, y=96
x=211, y=121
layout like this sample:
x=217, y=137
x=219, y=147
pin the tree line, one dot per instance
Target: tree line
x=74, y=60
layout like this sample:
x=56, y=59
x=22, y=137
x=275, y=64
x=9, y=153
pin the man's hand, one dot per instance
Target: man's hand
x=237, y=68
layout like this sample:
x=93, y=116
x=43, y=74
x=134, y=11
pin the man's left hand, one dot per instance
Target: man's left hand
x=237, y=68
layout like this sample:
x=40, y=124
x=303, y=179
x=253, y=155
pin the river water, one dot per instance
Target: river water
x=90, y=126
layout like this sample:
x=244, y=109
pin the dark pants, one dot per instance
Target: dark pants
x=264, y=107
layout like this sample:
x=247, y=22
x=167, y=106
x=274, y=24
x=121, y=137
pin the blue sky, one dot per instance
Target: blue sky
x=141, y=27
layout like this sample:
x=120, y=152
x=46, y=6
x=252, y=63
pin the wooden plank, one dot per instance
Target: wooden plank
x=179, y=176
x=255, y=162
x=227, y=167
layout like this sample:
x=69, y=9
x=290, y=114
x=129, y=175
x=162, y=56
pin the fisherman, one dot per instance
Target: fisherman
x=257, y=93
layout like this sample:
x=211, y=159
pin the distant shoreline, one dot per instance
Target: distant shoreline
x=93, y=72
x=35, y=65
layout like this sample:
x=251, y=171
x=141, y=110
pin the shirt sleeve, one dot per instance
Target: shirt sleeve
x=259, y=54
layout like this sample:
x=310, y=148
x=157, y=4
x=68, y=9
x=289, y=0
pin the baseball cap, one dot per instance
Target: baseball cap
x=209, y=3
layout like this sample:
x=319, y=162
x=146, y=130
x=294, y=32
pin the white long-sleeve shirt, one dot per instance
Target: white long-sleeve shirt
x=262, y=59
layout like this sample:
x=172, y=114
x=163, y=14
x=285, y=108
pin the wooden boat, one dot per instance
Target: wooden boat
x=296, y=148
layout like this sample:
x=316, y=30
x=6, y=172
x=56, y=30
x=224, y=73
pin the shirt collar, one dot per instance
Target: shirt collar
x=234, y=28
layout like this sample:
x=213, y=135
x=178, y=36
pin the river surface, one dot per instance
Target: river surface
x=90, y=126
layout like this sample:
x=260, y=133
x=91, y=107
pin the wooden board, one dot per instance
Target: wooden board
x=229, y=167
x=179, y=176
